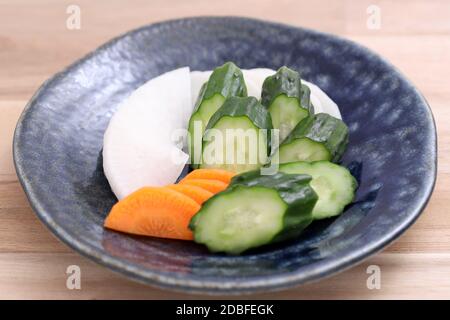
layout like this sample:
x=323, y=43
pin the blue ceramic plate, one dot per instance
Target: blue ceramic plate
x=392, y=152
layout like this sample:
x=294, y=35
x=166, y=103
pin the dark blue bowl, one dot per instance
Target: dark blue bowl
x=392, y=152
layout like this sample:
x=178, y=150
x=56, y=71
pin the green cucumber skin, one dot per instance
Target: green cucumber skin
x=244, y=106
x=306, y=99
x=294, y=189
x=323, y=128
x=201, y=97
x=226, y=80
x=285, y=81
x=199, y=100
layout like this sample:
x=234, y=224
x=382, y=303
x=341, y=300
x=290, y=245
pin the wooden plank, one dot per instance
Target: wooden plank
x=48, y=45
x=35, y=43
x=403, y=276
x=21, y=231
x=10, y=112
x=399, y=17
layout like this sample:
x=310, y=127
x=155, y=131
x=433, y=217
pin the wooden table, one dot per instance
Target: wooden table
x=35, y=43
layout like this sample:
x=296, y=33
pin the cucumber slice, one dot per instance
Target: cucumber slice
x=302, y=149
x=282, y=95
x=286, y=113
x=333, y=183
x=225, y=81
x=227, y=224
x=233, y=140
x=306, y=101
x=254, y=211
x=317, y=137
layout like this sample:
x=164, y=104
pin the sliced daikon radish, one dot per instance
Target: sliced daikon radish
x=141, y=163
x=252, y=89
x=327, y=105
x=256, y=77
x=315, y=102
x=198, y=78
x=138, y=145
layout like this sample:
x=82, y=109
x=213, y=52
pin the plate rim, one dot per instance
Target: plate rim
x=231, y=286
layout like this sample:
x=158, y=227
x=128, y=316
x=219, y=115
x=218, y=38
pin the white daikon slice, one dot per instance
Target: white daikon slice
x=327, y=105
x=138, y=145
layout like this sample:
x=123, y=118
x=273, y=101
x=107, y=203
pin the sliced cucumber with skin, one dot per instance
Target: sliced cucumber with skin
x=255, y=210
x=333, y=183
x=303, y=149
x=233, y=140
x=286, y=113
x=306, y=99
x=282, y=95
x=225, y=81
x=317, y=137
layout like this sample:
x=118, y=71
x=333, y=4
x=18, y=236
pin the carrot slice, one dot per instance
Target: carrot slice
x=154, y=211
x=213, y=186
x=198, y=194
x=216, y=174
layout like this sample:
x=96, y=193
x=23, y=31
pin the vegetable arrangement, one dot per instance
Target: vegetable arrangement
x=166, y=211
x=228, y=202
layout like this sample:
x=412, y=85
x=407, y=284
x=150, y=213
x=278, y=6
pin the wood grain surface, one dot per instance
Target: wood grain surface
x=35, y=43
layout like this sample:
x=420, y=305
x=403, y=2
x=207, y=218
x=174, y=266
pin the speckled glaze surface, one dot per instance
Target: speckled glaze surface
x=392, y=152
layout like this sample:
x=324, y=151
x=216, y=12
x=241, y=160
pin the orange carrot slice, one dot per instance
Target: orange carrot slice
x=213, y=186
x=198, y=194
x=153, y=211
x=216, y=174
